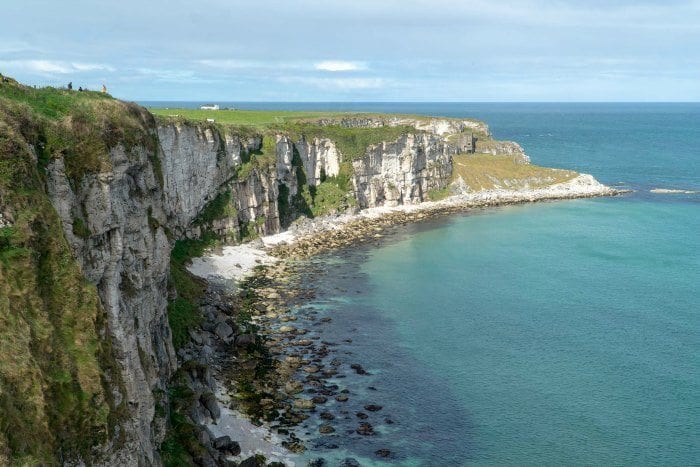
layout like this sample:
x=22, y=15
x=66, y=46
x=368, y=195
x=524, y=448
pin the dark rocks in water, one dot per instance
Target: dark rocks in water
x=365, y=429
x=349, y=462
x=383, y=452
x=326, y=429
x=225, y=444
x=336, y=362
x=361, y=415
x=209, y=401
x=341, y=398
x=320, y=462
x=358, y=369
x=253, y=461
x=244, y=340
x=327, y=416
x=373, y=407
x=319, y=400
x=388, y=421
x=276, y=464
x=371, y=388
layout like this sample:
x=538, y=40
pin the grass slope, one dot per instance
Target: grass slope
x=487, y=172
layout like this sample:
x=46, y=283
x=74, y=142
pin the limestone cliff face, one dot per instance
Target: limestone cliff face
x=320, y=158
x=124, y=251
x=403, y=171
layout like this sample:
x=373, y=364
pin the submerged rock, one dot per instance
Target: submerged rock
x=365, y=429
x=326, y=429
x=373, y=407
x=382, y=452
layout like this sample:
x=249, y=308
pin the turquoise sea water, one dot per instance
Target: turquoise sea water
x=564, y=333
x=544, y=334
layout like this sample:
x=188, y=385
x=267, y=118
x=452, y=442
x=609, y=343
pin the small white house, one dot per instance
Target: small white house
x=210, y=107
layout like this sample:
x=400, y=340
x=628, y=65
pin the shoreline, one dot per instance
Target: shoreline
x=235, y=267
x=313, y=236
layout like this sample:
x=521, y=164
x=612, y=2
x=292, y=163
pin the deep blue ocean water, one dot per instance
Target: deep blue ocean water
x=562, y=333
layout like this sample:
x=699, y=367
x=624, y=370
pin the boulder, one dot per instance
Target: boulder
x=209, y=401
x=223, y=330
x=226, y=445
x=244, y=340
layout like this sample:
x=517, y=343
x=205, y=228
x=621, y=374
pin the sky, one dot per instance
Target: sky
x=358, y=50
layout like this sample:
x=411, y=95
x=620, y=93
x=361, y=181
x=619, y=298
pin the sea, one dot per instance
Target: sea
x=553, y=333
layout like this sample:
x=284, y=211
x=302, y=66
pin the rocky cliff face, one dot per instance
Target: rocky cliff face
x=124, y=251
x=131, y=212
x=403, y=171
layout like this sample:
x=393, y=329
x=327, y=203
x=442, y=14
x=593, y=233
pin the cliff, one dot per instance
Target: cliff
x=94, y=194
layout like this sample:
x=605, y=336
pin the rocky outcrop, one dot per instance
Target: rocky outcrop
x=507, y=148
x=320, y=158
x=403, y=171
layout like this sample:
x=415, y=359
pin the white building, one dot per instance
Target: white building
x=210, y=107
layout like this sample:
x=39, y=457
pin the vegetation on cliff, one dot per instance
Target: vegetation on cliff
x=57, y=373
x=486, y=172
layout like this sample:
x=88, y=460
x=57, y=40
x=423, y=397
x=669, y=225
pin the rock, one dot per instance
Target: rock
x=382, y=452
x=341, y=398
x=319, y=400
x=209, y=401
x=320, y=462
x=226, y=445
x=195, y=336
x=304, y=404
x=253, y=461
x=358, y=369
x=244, y=340
x=293, y=387
x=365, y=429
x=311, y=369
x=326, y=429
x=223, y=330
x=349, y=462
x=286, y=329
x=203, y=437
x=373, y=407
x=327, y=416
x=361, y=415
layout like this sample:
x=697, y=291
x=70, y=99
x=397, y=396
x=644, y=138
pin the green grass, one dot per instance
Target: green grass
x=438, y=194
x=79, y=127
x=218, y=208
x=486, y=172
x=49, y=102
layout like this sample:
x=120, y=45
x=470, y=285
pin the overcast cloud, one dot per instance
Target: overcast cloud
x=322, y=50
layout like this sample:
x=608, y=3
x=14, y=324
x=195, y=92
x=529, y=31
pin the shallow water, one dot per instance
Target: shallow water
x=552, y=333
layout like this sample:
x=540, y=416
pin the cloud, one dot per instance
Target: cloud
x=339, y=65
x=342, y=84
x=52, y=67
